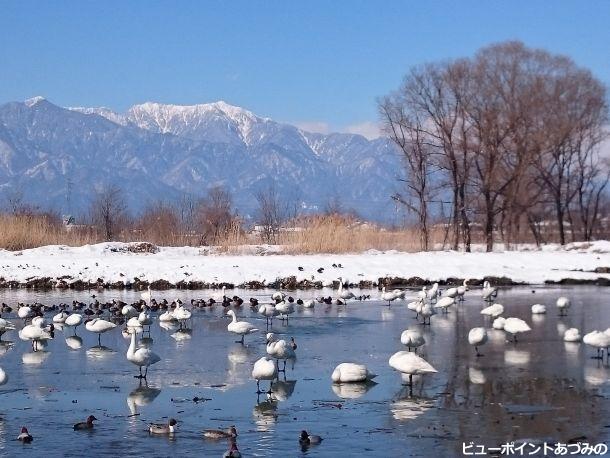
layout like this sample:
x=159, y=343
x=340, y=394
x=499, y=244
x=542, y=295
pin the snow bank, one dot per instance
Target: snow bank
x=112, y=262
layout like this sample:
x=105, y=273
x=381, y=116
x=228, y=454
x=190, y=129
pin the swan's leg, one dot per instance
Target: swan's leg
x=99, y=339
x=146, y=372
x=258, y=387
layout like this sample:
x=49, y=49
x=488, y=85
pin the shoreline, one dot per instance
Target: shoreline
x=116, y=265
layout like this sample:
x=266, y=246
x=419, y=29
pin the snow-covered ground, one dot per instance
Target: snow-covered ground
x=112, y=263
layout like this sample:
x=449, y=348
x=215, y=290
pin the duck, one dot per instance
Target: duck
x=242, y=328
x=216, y=434
x=163, y=428
x=233, y=451
x=477, y=337
x=306, y=439
x=25, y=436
x=99, y=326
x=264, y=369
x=563, y=304
x=142, y=357
x=351, y=373
x=494, y=310
x=538, y=309
x=412, y=338
x=87, y=424
x=516, y=326
x=571, y=335
x=410, y=364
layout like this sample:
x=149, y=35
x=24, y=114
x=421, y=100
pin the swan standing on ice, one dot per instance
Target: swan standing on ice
x=268, y=311
x=499, y=323
x=412, y=338
x=388, y=296
x=147, y=295
x=36, y=333
x=61, y=317
x=598, y=340
x=515, y=326
x=563, y=304
x=99, y=326
x=410, y=364
x=73, y=321
x=571, y=335
x=264, y=369
x=426, y=311
x=343, y=293
x=142, y=357
x=494, y=310
x=433, y=292
x=182, y=314
x=457, y=292
x=241, y=328
x=284, y=309
x=477, y=337
x=280, y=350
x=167, y=317
x=351, y=373
x=444, y=303
x=489, y=293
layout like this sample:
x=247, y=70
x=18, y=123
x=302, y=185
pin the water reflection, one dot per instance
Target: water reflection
x=74, y=342
x=142, y=396
x=282, y=389
x=265, y=415
x=35, y=357
x=352, y=390
x=100, y=352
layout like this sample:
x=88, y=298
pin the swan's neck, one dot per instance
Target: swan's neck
x=234, y=318
x=132, y=345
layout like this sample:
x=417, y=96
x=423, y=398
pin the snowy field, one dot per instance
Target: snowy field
x=112, y=263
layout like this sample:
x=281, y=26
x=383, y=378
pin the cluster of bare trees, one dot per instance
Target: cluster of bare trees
x=509, y=138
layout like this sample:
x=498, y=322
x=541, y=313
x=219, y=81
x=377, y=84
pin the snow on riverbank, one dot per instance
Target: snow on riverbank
x=112, y=263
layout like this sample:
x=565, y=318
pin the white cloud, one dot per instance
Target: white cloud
x=367, y=129
x=318, y=127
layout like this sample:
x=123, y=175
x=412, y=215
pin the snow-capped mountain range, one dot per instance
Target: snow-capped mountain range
x=57, y=157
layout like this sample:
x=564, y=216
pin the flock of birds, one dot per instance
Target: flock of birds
x=137, y=318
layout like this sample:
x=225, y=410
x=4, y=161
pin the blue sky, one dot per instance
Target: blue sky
x=320, y=64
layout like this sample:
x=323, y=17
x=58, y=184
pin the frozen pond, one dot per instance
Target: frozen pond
x=540, y=388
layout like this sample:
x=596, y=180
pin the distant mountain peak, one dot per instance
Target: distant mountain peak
x=34, y=100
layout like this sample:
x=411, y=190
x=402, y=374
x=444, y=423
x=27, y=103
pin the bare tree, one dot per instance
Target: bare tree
x=272, y=213
x=215, y=214
x=108, y=209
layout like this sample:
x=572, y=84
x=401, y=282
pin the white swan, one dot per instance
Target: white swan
x=343, y=293
x=129, y=311
x=351, y=373
x=167, y=317
x=516, y=326
x=36, y=334
x=142, y=357
x=538, y=309
x=99, y=326
x=145, y=319
x=410, y=364
x=278, y=296
x=494, y=310
x=489, y=293
x=264, y=369
x=285, y=309
x=73, y=321
x=388, y=296
x=5, y=326
x=433, y=292
x=24, y=312
x=268, y=311
x=563, y=304
x=444, y=303
x=477, y=337
x=571, y=335
x=456, y=290
x=241, y=328
x=3, y=377
x=599, y=340
x=147, y=295
x=309, y=304
x=279, y=349
x=182, y=314
x=60, y=317
x=412, y=338
x=423, y=294
x=426, y=310
x=499, y=323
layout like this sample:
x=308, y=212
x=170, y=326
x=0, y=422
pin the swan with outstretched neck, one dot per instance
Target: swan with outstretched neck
x=142, y=357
